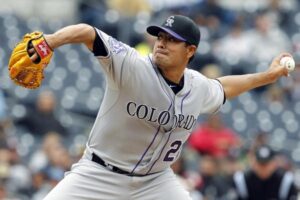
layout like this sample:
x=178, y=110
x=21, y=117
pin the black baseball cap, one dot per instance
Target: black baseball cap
x=264, y=154
x=180, y=27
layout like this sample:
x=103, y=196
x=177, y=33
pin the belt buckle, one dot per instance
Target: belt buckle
x=110, y=167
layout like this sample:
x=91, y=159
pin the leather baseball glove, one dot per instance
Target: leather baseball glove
x=22, y=70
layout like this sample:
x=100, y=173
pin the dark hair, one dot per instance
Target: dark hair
x=191, y=59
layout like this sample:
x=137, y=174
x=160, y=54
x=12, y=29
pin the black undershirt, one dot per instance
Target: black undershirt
x=99, y=47
x=174, y=86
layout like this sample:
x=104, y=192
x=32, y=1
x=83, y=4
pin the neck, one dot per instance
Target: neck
x=172, y=75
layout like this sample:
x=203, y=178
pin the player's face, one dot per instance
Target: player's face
x=170, y=52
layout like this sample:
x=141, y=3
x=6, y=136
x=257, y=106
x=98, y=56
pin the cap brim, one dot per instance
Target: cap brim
x=154, y=30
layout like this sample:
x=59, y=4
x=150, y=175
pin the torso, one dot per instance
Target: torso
x=142, y=125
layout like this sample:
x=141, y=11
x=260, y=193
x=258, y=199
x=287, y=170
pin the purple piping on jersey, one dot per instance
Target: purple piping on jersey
x=154, y=66
x=157, y=131
x=160, y=153
x=187, y=94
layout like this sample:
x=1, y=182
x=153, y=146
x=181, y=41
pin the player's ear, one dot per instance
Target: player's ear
x=191, y=50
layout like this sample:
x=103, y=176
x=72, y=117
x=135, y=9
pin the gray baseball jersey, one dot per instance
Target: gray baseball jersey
x=142, y=125
x=140, y=128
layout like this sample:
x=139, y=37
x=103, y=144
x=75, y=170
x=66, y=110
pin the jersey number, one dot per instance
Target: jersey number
x=175, y=146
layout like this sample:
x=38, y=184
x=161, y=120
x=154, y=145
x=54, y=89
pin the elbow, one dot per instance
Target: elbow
x=86, y=34
x=85, y=29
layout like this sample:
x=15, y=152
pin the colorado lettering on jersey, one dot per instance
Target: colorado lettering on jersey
x=151, y=114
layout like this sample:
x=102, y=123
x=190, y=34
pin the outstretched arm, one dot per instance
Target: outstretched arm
x=80, y=33
x=29, y=73
x=237, y=84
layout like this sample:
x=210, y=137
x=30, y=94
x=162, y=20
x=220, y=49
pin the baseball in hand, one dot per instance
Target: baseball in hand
x=288, y=63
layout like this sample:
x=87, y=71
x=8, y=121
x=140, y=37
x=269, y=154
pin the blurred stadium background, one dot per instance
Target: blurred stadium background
x=44, y=131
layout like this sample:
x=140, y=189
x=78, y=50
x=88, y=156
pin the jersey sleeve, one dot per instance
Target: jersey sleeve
x=214, y=96
x=117, y=61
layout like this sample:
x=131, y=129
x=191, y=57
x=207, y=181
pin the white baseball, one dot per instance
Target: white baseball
x=288, y=62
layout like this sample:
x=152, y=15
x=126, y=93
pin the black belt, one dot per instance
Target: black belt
x=112, y=168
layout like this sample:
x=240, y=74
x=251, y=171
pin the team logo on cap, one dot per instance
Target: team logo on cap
x=170, y=21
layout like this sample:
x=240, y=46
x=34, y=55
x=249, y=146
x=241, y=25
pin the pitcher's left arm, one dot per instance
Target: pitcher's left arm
x=235, y=85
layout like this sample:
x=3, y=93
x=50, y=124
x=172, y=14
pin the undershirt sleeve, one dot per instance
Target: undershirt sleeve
x=99, y=47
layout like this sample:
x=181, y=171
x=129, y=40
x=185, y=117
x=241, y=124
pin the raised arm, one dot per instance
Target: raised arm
x=80, y=33
x=29, y=73
x=235, y=85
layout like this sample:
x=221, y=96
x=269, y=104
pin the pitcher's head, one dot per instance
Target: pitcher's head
x=177, y=40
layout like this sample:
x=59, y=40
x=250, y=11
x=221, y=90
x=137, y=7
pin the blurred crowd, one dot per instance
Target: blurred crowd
x=37, y=148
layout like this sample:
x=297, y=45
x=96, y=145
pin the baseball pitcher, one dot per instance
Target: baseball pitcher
x=149, y=109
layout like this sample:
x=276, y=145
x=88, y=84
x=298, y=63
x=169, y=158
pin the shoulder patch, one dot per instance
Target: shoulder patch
x=116, y=46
